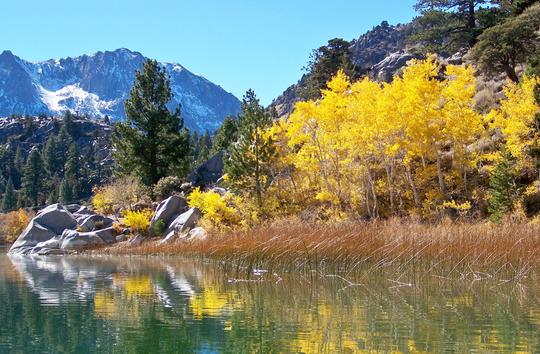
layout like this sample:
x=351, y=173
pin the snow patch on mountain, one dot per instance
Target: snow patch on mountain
x=73, y=98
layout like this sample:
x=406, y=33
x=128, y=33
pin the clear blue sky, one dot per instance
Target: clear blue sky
x=259, y=44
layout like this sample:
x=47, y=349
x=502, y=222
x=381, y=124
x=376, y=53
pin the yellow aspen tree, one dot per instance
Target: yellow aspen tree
x=516, y=118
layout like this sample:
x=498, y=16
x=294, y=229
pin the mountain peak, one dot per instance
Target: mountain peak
x=98, y=85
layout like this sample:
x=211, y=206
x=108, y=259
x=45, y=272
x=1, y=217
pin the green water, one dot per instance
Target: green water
x=147, y=305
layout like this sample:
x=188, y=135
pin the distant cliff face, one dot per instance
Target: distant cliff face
x=379, y=53
x=98, y=84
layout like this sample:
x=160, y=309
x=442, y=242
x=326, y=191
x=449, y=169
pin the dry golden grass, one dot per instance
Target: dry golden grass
x=396, y=245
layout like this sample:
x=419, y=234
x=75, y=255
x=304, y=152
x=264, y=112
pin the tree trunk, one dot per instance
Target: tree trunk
x=390, y=186
x=442, y=186
x=413, y=187
x=511, y=73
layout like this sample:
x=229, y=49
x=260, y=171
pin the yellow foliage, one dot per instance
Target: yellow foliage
x=214, y=207
x=364, y=144
x=516, y=117
x=13, y=224
x=121, y=194
x=138, y=221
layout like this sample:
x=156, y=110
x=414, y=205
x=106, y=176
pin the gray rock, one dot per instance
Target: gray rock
x=219, y=190
x=136, y=241
x=73, y=240
x=72, y=208
x=209, y=172
x=84, y=211
x=53, y=243
x=167, y=210
x=96, y=221
x=184, y=222
x=391, y=65
x=197, y=234
x=48, y=223
x=56, y=218
x=106, y=235
x=34, y=234
x=170, y=238
x=121, y=238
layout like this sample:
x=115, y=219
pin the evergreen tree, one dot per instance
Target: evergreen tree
x=66, y=192
x=51, y=157
x=505, y=46
x=152, y=143
x=248, y=166
x=73, y=171
x=225, y=135
x=9, y=201
x=69, y=125
x=204, y=146
x=325, y=62
x=19, y=166
x=33, y=177
x=53, y=196
x=502, y=189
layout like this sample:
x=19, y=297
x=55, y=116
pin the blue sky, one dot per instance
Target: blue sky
x=259, y=44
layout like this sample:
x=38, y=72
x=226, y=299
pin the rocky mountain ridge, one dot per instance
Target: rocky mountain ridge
x=379, y=53
x=97, y=85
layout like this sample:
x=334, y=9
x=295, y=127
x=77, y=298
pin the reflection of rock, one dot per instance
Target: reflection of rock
x=61, y=280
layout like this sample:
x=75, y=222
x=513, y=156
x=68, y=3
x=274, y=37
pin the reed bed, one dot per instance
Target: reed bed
x=472, y=250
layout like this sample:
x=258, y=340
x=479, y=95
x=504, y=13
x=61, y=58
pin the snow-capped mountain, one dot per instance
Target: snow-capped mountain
x=98, y=84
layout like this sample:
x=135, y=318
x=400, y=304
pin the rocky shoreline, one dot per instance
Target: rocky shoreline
x=66, y=229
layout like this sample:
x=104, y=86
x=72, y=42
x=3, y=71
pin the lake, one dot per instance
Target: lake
x=89, y=304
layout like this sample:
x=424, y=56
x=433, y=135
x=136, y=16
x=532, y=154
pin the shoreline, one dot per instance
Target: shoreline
x=390, y=245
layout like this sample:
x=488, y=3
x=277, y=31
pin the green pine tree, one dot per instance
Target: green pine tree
x=33, y=177
x=152, y=143
x=19, y=166
x=9, y=201
x=66, y=192
x=324, y=63
x=225, y=136
x=249, y=164
x=73, y=171
x=502, y=189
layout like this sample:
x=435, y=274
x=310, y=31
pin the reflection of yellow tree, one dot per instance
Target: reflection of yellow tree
x=139, y=286
x=209, y=303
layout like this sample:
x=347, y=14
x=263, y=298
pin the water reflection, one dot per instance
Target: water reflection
x=107, y=304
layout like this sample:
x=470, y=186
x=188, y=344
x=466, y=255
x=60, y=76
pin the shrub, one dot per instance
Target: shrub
x=138, y=221
x=159, y=227
x=12, y=224
x=101, y=201
x=214, y=208
x=121, y=194
x=166, y=187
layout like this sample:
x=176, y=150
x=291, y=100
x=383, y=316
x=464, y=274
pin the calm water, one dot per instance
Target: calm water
x=145, y=305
